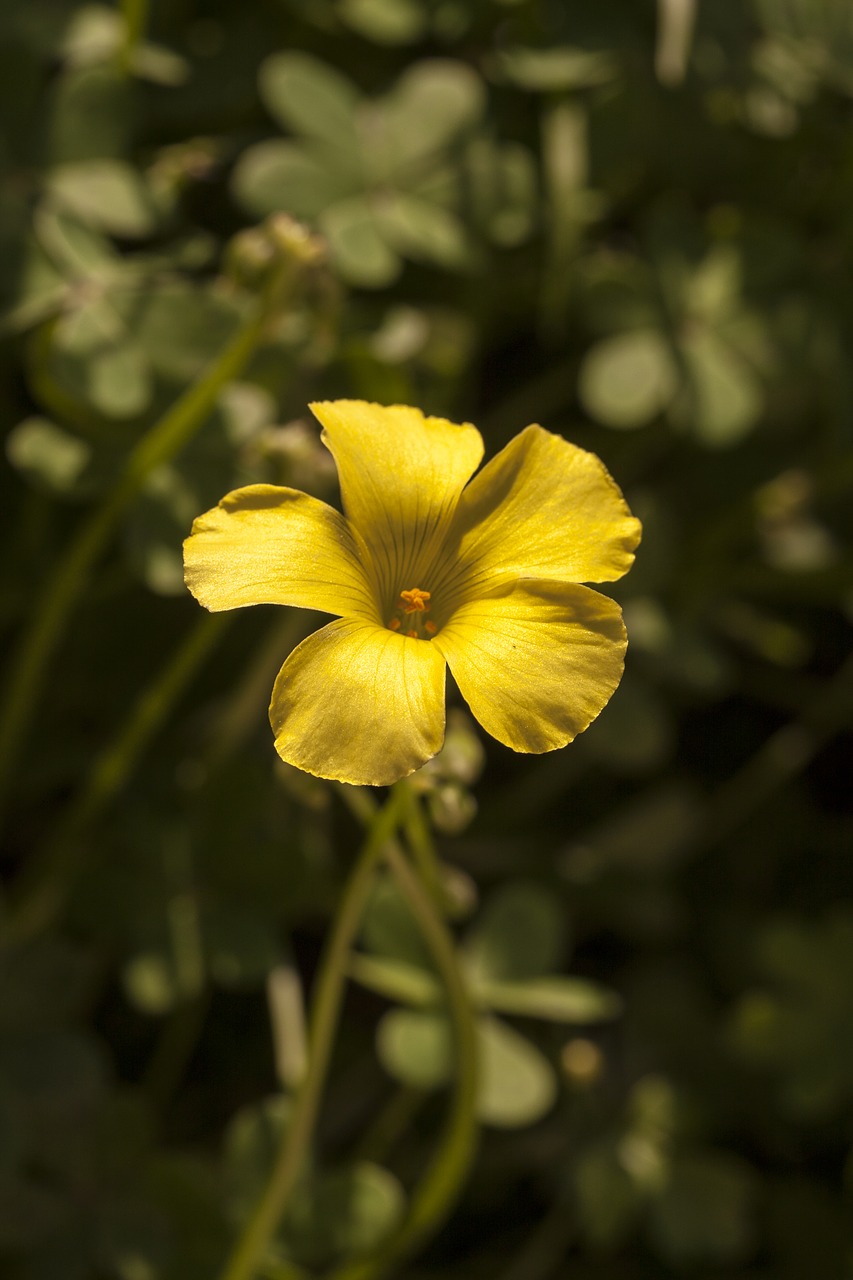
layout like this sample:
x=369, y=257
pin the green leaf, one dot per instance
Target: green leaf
x=118, y=382
x=627, y=380
x=252, y=1141
x=288, y=175
x=109, y=195
x=180, y=327
x=728, y=397
x=555, y=69
x=92, y=358
x=517, y=1083
x=521, y=933
x=48, y=455
x=90, y=114
x=395, y=980
x=311, y=98
x=359, y=249
x=556, y=998
x=385, y=21
x=343, y=1214
x=502, y=190
x=390, y=930
x=422, y=230
x=416, y=1048
x=430, y=106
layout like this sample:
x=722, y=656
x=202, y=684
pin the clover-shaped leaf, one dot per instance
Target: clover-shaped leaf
x=310, y=98
x=520, y=933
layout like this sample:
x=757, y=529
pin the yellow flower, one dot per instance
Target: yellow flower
x=426, y=570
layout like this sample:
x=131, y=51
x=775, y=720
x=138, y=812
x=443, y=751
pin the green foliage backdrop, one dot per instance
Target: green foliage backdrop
x=632, y=223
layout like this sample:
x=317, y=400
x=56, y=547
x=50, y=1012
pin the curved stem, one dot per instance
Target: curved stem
x=439, y=1188
x=41, y=637
x=422, y=845
x=44, y=883
x=326, y=1005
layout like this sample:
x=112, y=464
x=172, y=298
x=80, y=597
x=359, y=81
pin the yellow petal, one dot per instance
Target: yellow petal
x=542, y=508
x=537, y=665
x=268, y=545
x=401, y=476
x=359, y=704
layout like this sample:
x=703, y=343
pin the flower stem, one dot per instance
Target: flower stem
x=250, y=1248
x=438, y=1190
x=42, y=890
x=44, y=632
x=422, y=845
x=135, y=15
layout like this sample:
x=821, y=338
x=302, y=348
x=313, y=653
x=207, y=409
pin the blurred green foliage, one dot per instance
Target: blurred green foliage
x=632, y=222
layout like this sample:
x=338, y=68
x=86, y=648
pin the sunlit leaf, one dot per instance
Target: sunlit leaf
x=728, y=395
x=627, y=380
x=288, y=175
x=517, y=1083
x=310, y=97
x=50, y=456
x=107, y=194
x=432, y=103
x=358, y=247
x=556, y=998
x=385, y=21
x=416, y=1048
x=424, y=231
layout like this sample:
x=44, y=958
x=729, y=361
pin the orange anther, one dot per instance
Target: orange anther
x=430, y=627
x=395, y=624
x=415, y=601
x=413, y=634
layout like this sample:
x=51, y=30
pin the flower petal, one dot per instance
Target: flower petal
x=542, y=508
x=401, y=476
x=360, y=704
x=537, y=665
x=269, y=545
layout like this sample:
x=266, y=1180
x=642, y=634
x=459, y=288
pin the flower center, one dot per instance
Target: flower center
x=409, y=615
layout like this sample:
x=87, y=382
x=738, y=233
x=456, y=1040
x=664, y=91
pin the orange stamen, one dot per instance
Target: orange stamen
x=395, y=624
x=415, y=601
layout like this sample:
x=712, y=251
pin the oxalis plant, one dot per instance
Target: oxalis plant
x=432, y=563
x=425, y=568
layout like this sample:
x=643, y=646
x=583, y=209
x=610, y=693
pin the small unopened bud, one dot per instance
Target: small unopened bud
x=249, y=257
x=451, y=808
x=294, y=241
x=582, y=1062
x=459, y=893
x=273, y=255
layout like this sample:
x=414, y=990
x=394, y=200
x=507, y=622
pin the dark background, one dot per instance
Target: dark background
x=634, y=231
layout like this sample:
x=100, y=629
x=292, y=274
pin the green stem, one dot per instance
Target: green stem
x=326, y=1006
x=135, y=14
x=439, y=1189
x=422, y=846
x=44, y=632
x=47, y=879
